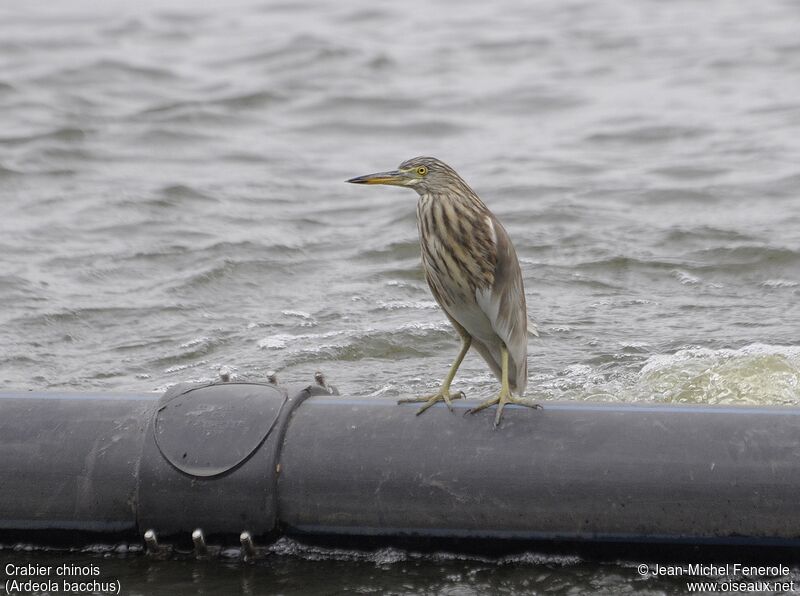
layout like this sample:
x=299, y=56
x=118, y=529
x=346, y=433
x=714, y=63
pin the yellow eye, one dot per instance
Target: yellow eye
x=422, y=171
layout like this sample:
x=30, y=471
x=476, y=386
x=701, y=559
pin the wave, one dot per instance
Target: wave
x=753, y=256
x=414, y=339
x=645, y=135
x=717, y=259
x=66, y=134
x=288, y=547
x=105, y=70
x=755, y=374
x=181, y=111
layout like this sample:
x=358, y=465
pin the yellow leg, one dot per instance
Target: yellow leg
x=444, y=391
x=504, y=397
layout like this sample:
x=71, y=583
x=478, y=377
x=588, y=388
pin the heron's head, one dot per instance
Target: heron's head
x=423, y=174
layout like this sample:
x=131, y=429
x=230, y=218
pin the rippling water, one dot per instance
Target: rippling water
x=171, y=183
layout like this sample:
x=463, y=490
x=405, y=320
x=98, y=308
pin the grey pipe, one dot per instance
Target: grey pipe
x=260, y=459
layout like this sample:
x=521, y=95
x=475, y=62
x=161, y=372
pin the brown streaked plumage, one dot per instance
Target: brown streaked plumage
x=473, y=272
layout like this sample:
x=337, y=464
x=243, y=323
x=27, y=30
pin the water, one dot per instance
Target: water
x=171, y=184
x=297, y=570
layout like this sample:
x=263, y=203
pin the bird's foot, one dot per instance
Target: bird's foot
x=503, y=398
x=442, y=395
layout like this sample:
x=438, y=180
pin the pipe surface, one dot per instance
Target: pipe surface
x=254, y=460
x=68, y=461
x=572, y=471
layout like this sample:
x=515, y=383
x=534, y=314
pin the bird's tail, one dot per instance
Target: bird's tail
x=517, y=371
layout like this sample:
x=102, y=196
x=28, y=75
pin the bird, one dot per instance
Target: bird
x=473, y=273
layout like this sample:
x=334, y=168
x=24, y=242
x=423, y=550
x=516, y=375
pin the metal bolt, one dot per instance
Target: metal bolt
x=200, y=546
x=248, y=548
x=151, y=540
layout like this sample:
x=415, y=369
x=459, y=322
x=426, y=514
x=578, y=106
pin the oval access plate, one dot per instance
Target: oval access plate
x=210, y=430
